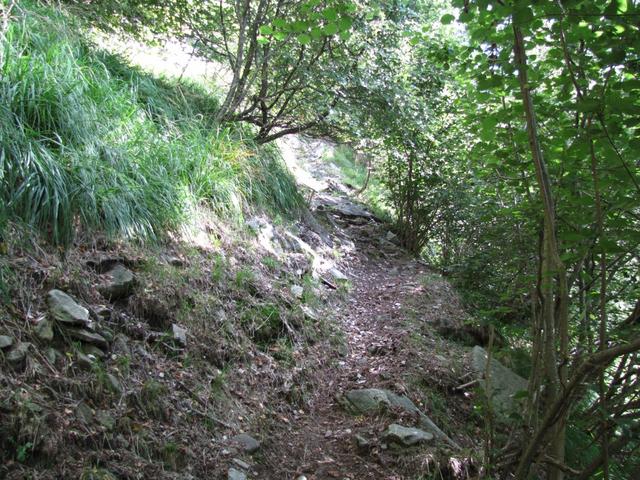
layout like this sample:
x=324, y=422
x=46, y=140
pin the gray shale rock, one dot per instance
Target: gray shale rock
x=87, y=337
x=119, y=283
x=65, y=310
x=406, y=436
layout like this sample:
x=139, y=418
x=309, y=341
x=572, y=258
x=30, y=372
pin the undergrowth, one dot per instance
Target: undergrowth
x=89, y=142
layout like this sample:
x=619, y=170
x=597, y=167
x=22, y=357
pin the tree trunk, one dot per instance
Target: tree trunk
x=554, y=322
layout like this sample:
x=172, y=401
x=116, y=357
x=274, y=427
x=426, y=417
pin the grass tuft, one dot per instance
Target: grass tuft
x=89, y=142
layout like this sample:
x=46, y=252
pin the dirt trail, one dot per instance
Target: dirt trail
x=388, y=342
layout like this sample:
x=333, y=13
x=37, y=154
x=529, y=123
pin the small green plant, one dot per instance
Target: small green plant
x=170, y=455
x=271, y=263
x=218, y=268
x=124, y=364
x=22, y=452
x=244, y=277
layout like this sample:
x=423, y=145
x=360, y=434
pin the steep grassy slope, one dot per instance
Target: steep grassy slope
x=88, y=142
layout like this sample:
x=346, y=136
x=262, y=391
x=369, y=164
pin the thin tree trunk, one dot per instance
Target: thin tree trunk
x=555, y=328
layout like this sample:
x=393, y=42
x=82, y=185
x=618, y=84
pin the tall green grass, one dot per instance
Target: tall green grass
x=88, y=142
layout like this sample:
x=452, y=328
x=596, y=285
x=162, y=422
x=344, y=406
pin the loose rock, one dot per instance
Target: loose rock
x=84, y=361
x=234, y=474
x=297, y=291
x=18, y=353
x=65, y=310
x=44, y=330
x=246, y=442
x=369, y=400
x=119, y=283
x=5, y=342
x=179, y=335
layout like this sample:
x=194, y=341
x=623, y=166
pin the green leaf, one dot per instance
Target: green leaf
x=263, y=40
x=447, y=19
x=345, y=23
x=304, y=39
x=266, y=30
x=280, y=23
x=589, y=105
x=330, y=14
x=330, y=29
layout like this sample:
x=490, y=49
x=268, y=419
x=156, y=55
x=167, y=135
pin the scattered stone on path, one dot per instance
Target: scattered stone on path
x=362, y=443
x=18, y=354
x=120, y=345
x=5, y=342
x=179, y=335
x=234, y=474
x=369, y=400
x=246, y=442
x=119, y=283
x=505, y=383
x=87, y=336
x=406, y=436
x=65, y=310
x=102, y=312
x=44, y=330
x=241, y=464
x=344, y=208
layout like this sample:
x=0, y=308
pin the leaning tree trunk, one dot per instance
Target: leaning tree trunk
x=553, y=321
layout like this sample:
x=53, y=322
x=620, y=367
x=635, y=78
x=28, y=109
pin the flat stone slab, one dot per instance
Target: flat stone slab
x=505, y=383
x=87, y=337
x=406, y=436
x=64, y=309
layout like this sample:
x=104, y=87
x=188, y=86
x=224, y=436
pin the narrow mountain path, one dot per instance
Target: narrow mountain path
x=385, y=328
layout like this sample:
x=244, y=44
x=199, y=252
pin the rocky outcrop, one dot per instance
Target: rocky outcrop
x=370, y=400
x=504, y=383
